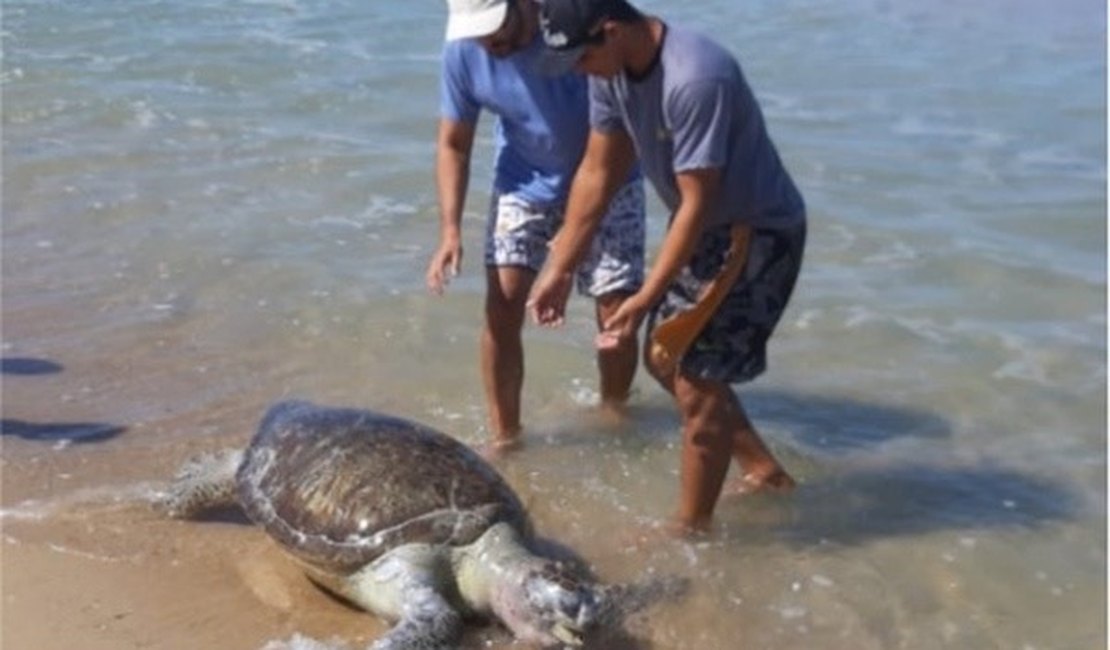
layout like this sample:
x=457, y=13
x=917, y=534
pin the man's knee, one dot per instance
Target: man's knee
x=504, y=323
x=700, y=398
x=608, y=303
x=505, y=305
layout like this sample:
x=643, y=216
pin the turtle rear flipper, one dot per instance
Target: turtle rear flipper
x=205, y=482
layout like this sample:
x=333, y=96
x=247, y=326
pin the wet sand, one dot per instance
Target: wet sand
x=116, y=577
x=59, y=599
x=86, y=562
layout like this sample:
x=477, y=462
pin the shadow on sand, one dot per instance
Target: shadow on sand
x=28, y=366
x=75, y=432
x=55, y=432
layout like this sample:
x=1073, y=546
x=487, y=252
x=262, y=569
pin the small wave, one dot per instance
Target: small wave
x=378, y=210
x=146, y=117
x=582, y=394
x=299, y=45
x=301, y=642
x=65, y=550
x=381, y=206
x=1028, y=361
x=1057, y=159
x=329, y=221
x=897, y=254
x=917, y=126
x=108, y=497
x=782, y=108
x=288, y=5
x=404, y=58
x=13, y=74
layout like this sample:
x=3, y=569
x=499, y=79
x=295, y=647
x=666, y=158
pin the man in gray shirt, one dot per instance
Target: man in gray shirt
x=733, y=248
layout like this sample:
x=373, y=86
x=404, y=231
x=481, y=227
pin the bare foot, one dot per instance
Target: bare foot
x=777, y=482
x=496, y=449
x=612, y=413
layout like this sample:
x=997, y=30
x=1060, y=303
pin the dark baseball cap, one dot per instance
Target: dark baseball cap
x=568, y=26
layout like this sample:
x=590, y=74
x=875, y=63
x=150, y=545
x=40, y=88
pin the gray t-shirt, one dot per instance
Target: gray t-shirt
x=694, y=110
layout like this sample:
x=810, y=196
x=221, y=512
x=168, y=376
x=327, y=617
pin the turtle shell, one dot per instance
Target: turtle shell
x=340, y=487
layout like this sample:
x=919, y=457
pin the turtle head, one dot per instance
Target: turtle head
x=546, y=604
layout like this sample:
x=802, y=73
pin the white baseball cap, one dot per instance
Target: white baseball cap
x=474, y=18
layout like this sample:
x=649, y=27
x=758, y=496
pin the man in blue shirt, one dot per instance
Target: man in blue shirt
x=491, y=61
x=727, y=265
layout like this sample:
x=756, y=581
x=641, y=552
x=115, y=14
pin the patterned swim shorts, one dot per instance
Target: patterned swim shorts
x=733, y=345
x=518, y=234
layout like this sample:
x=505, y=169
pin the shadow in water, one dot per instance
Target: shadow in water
x=28, y=366
x=905, y=500
x=77, y=432
x=843, y=503
x=839, y=425
x=829, y=425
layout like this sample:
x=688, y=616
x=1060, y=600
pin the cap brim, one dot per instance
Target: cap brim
x=558, y=62
x=477, y=24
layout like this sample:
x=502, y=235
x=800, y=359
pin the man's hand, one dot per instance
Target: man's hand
x=445, y=264
x=623, y=324
x=548, y=300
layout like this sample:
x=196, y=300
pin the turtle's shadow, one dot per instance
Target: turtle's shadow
x=229, y=514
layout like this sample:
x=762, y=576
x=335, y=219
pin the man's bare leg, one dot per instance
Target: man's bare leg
x=502, y=352
x=616, y=365
x=706, y=445
x=759, y=470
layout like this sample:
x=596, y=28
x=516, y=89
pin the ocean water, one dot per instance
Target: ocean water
x=208, y=206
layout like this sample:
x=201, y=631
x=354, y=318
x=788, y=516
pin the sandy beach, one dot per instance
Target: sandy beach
x=97, y=569
x=101, y=574
x=87, y=562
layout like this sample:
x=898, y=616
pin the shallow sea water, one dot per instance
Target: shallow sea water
x=209, y=206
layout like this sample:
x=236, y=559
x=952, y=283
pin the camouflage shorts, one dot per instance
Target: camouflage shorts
x=518, y=234
x=733, y=345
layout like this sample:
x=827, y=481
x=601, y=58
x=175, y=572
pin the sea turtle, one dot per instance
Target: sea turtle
x=397, y=518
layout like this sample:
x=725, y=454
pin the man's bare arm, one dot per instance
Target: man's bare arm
x=454, y=143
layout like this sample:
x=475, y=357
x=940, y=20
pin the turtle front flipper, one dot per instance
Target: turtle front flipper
x=617, y=603
x=204, y=482
x=407, y=585
x=427, y=623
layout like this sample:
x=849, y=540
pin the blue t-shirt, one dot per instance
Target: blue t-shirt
x=694, y=110
x=542, y=121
